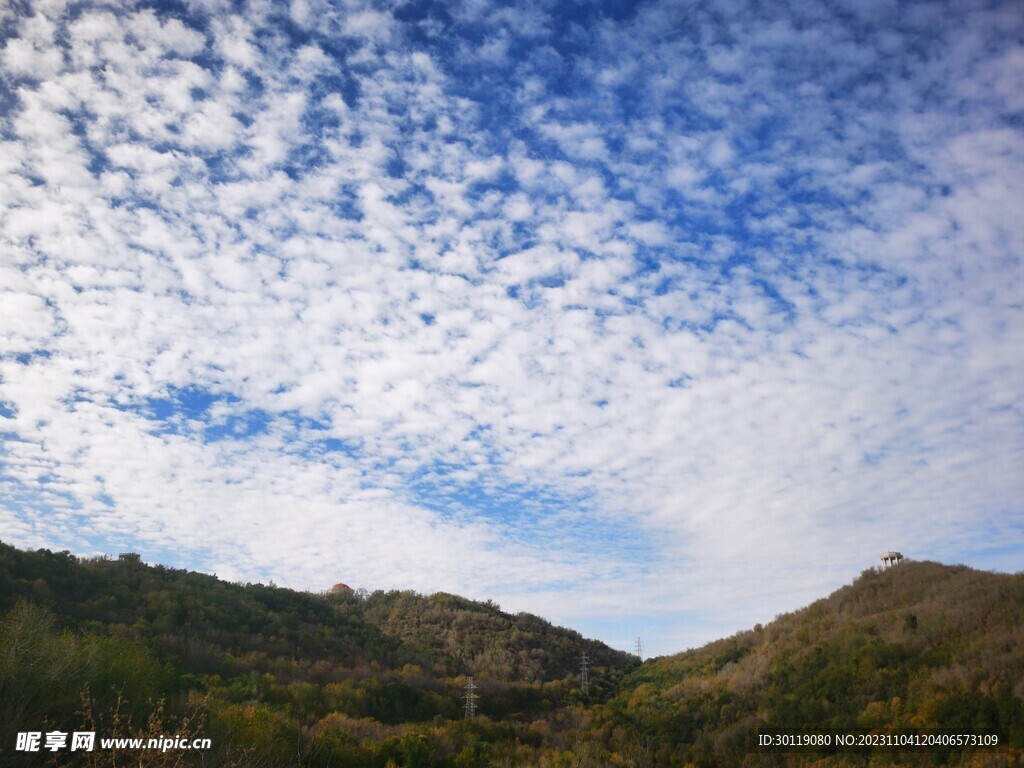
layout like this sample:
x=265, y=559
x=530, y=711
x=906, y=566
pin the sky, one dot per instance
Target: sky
x=656, y=320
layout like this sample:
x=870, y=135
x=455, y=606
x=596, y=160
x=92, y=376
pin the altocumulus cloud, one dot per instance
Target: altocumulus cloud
x=655, y=321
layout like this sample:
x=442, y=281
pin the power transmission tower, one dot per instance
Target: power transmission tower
x=584, y=680
x=640, y=648
x=470, y=697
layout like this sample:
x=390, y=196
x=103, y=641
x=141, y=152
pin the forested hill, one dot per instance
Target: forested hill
x=919, y=647
x=276, y=677
x=304, y=665
x=206, y=621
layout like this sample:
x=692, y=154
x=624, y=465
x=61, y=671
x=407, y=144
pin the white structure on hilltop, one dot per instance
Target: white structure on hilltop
x=891, y=559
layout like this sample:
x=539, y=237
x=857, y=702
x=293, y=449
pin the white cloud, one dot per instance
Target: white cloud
x=26, y=321
x=372, y=25
x=708, y=316
x=36, y=59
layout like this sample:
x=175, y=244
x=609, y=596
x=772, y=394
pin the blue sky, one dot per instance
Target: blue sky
x=654, y=319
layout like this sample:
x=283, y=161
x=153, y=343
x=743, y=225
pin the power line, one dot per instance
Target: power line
x=640, y=648
x=584, y=680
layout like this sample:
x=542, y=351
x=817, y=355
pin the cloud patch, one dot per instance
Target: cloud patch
x=603, y=317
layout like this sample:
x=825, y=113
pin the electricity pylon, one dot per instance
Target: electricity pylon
x=640, y=649
x=470, y=697
x=584, y=680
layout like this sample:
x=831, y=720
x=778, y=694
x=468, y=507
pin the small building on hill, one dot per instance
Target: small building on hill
x=341, y=588
x=891, y=559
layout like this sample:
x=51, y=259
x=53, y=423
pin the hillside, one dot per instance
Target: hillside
x=308, y=668
x=920, y=647
x=276, y=677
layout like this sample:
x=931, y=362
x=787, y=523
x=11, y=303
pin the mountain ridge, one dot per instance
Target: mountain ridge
x=378, y=679
x=919, y=647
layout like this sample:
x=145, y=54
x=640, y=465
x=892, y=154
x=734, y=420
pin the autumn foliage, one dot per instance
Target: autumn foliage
x=276, y=677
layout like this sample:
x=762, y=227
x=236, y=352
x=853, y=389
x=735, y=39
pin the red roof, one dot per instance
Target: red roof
x=341, y=587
